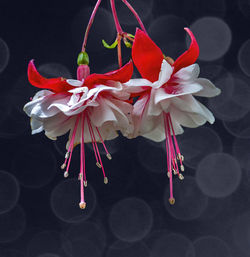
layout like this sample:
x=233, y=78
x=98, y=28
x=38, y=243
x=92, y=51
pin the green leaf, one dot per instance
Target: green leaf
x=109, y=46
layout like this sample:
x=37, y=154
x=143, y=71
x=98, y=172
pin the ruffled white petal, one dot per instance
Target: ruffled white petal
x=187, y=74
x=208, y=88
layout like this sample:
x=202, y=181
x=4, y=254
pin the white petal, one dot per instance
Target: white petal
x=74, y=99
x=74, y=82
x=36, y=126
x=79, y=90
x=208, y=88
x=189, y=73
x=136, y=85
x=190, y=105
x=165, y=73
x=156, y=135
x=180, y=90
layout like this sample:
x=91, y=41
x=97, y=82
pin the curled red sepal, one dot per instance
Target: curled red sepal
x=122, y=75
x=147, y=56
x=56, y=85
x=190, y=56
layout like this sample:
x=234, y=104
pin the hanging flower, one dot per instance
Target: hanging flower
x=166, y=96
x=93, y=108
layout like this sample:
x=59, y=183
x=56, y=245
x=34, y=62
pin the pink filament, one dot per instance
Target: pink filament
x=104, y=146
x=71, y=147
x=175, y=141
x=169, y=154
x=172, y=145
x=94, y=139
x=83, y=172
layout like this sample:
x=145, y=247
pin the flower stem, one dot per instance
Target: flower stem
x=135, y=14
x=119, y=51
x=119, y=32
x=92, y=17
x=117, y=23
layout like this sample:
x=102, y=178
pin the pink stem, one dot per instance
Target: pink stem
x=117, y=23
x=135, y=14
x=92, y=17
x=100, y=159
x=104, y=146
x=119, y=51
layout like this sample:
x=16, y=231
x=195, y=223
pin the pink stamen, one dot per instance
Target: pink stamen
x=72, y=143
x=168, y=149
x=92, y=140
x=175, y=141
x=104, y=146
x=172, y=145
x=93, y=135
x=82, y=169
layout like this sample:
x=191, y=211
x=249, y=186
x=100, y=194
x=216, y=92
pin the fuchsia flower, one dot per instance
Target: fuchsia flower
x=93, y=108
x=166, y=101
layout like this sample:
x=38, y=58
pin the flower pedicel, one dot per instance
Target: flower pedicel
x=95, y=106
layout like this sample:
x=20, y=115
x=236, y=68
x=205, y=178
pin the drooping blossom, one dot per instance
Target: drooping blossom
x=166, y=97
x=92, y=108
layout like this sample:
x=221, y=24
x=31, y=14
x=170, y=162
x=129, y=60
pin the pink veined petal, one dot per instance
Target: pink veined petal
x=121, y=75
x=147, y=56
x=188, y=57
x=56, y=85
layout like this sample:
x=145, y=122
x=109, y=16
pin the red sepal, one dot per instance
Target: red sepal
x=122, y=75
x=147, y=56
x=190, y=56
x=56, y=85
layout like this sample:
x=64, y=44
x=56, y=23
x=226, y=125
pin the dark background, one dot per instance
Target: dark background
x=129, y=217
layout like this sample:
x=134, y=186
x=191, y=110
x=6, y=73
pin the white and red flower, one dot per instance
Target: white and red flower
x=93, y=108
x=166, y=96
